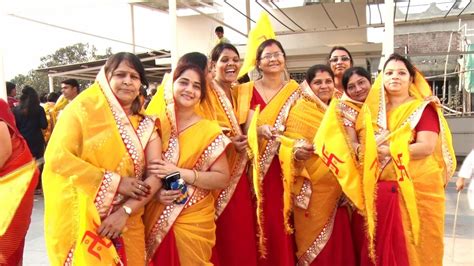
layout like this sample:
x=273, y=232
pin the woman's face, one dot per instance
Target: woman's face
x=323, y=86
x=227, y=66
x=339, y=62
x=358, y=87
x=272, y=60
x=125, y=83
x=187, y=89
x=396, y=78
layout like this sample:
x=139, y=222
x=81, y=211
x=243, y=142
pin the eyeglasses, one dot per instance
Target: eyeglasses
x=272, y=55
x=343, y=58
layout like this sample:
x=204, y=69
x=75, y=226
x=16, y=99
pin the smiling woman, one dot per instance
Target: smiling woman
x=94, y=174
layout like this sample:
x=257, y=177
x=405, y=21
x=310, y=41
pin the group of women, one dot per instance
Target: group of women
x=108, y=163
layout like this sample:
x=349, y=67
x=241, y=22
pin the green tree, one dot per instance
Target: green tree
x=76, y=53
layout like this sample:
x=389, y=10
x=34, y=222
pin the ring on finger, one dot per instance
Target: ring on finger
x=140, y=186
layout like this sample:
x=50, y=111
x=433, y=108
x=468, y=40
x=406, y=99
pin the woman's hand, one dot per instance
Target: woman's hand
x=161, y=168
x=265, y=131
x=113, y=225
x=383, y=152
x=133, y=188
x=167, y=197
x=304, y=152
x=434, y=99
x=240, y=142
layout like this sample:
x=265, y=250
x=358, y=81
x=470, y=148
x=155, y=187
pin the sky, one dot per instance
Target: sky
x=24, y=42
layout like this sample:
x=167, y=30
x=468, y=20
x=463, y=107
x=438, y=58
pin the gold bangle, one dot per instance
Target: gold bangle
x=196, y=176
x=294, y=154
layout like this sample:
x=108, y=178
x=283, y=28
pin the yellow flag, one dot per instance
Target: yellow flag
x=332, y=146
x=262, y=31
x=91, y=249
x=157, y=105
x=287, y=167
x=371, y=166
x=12, y=188
x=400, y=154
x=252, y=139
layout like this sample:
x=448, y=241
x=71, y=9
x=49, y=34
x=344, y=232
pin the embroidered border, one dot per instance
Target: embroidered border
x=319, y=243
x=303, y=198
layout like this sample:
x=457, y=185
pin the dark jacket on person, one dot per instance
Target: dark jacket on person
x=30, y=126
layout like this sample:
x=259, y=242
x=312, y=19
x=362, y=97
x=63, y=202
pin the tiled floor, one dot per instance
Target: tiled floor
x=35, y=253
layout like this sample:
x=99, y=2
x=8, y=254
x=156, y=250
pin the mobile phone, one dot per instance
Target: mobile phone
x=169, y=179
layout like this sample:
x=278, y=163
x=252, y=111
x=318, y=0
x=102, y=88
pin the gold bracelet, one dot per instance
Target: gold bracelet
x=294, y=154
x=196, y=176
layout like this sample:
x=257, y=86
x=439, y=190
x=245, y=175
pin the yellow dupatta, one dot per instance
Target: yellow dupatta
x=227, y=112
x=313, y=186
x=192, y=222
x=78, y=179
x=274, y=114
x=421, y=181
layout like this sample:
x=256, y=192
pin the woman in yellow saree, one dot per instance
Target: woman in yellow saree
x=416, y=159
x=184, y=233
x=235, y=213
x=321, y=221
x=275, y=96
x=339, y=59
x=95, y=164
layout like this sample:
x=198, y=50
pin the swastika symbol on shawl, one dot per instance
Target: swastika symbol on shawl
x=328, y=160
x=94, y=241
x=400, y=166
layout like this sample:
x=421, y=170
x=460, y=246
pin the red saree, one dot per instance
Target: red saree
x=13, y=241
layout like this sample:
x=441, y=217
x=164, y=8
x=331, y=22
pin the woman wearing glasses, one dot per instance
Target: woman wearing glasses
x=339, y=60
x=275, y=96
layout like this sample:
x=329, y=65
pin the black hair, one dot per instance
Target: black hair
x=219, y=29
x=352, y=71
x=219, y=48
x=181, y=68
x=397, y=57
x=10, y=87
x=52, y=97
x=114, y=61
x=194, y=58
x=29, y=101
x=342, y=48
x=311, y=72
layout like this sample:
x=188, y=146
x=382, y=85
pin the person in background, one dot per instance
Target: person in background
x=30, y=120
x=69, y=89
x=11, y=94
x=466, y=171
x=48, y=106
x=220, y=35
x=18, y=179
x=339, y=60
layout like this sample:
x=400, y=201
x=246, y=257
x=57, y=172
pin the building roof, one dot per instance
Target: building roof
x=155, y=69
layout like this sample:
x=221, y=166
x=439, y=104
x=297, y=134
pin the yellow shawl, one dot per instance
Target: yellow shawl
x=313, y=186
x=275, y=114
x=80, y=182
x=230, y=114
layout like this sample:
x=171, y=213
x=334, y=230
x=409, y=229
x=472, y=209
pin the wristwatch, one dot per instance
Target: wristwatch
x=127, y=210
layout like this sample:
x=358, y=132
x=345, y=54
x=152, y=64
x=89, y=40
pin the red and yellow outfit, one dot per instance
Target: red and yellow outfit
x=410, y=198
x=184, y=234
x=321, y=224
x=18, y=179
x=235, y=214
x=81, y=178
x=276, y=244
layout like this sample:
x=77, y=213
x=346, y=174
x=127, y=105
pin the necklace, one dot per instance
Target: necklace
x=268, y=99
